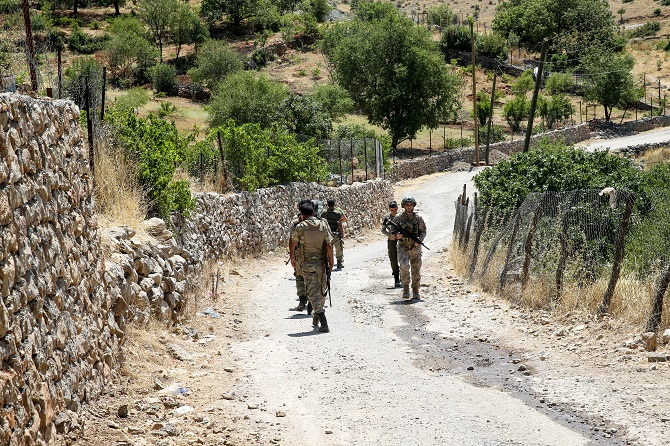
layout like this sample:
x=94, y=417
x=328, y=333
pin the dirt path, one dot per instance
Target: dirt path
x=457, y=368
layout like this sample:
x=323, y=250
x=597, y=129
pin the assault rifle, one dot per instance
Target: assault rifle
x=397, y=229
x=330, y=298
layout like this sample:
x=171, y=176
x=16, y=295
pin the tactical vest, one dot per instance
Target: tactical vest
x=314, y=235
x=333, y=217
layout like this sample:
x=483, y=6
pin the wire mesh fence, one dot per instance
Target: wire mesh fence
x=597, y=250
x=352, y=160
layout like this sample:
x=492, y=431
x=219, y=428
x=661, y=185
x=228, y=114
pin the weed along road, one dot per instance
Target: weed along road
x=441, y=371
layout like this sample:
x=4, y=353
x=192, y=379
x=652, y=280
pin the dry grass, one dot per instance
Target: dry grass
x=119, y=199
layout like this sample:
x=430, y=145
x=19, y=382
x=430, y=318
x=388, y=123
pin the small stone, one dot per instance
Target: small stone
x=280, y=413
x=122, y=412
x=329, y=432
x=228, y=396
x=471, y=368
x=522, y=368
x=252, y=406
x=657, y=357
x=649, y=340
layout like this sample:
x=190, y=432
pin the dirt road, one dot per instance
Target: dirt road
x=456, y=368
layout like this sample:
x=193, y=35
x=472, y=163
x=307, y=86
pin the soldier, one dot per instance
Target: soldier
x=295, y=263
x=392, y=243
x=335, y=218
x=315, y=253
x=409, y=252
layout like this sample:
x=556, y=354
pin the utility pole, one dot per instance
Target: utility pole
x=474, y=90
x=536, y=91
x=31, y=46
x=488, y=130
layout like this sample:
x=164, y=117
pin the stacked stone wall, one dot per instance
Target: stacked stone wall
x=245, y=224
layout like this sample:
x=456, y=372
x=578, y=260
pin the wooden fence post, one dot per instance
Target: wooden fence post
x=657, y=310
x=528, y=245
x=618, y=255
x=479, y=228
x=466, y=240
x=503, y=273
x=464, y=217
x=562, y=260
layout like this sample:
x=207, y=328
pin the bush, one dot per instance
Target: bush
x=84, y=44
x=648, y=29
x=553, y=167
x=497, y=134
x=524, y=83
x=82, y=72
x=456, y=38
x=515, y=111
x=163, y=76
x=559, y=83
x=9, y=6
x=334, y=99
x=128, y=51
x=440, y=15
x=555, y=109
x=214, y=63
x=491, y=45
x=156, y=147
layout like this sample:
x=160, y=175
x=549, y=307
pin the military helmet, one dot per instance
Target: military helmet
x=408, y=200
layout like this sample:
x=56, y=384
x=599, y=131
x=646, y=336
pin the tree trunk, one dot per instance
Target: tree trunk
x=116, y=7
x=74, y=8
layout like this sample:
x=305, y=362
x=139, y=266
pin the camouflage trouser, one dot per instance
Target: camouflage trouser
x=410, y=258
x=338, y=252
x=314, y=274
x=299, y=280
x=393, y=256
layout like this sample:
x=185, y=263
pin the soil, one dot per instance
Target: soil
x=457, y=367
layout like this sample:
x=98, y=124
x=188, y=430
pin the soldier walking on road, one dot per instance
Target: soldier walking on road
x=315, y=253
x=409, y=252
x=392, y=242
x=335, y=218
x=295, y=262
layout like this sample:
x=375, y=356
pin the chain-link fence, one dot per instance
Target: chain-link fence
x=352, y=160
x=596, y=250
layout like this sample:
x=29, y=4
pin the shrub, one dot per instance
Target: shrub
x=648, y=29
x=440, y=15
x=497, y=134
x=456, y=38
x=9, y=6
x=334, y=99
x=84, y=44
x=214, y=63
x=557, y=108
x=559, y=83
x=163, y=76
x=491, y=45
x=128, y=51
x=515, y=111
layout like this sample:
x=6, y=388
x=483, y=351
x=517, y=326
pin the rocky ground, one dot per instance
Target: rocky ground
x=459, y=367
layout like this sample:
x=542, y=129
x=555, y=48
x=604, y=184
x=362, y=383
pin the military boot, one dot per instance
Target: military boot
x=340, y=264
x=301, y=305
x=309, y=308
x=405, y=292
x=324, y=323
x=397, y=283
x=415, y=294
x=315, y=320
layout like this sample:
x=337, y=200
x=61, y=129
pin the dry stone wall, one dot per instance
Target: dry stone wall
x=253, y=223
x=58, y=335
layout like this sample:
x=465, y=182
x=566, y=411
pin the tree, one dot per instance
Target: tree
x=609, y=80
x=333, y=99
x=235, y=10
x=393, y=70
x=128, y=51
x=185, y=27
x=156, y=15
x=571, y=25
x=554, y=109
x=246, y=97
x=214, y=63
x=516, y=111
x=440, y=15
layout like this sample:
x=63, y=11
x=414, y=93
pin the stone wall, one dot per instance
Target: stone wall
x=240, y=225
x=58, y=335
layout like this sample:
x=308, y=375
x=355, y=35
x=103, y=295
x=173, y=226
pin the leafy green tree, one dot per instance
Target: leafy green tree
x=304, y=115
x=555, y=108
x=214, y=63
x=558, y=83
x=553, y=167
x=235, y=10
x=491, y=45
x=609, y=80
x=318, y=8
x=394, y=72
x=156, y=15
x=456, y=38
x=483, y=108
x=185, y=27
x=128, y=51
x=156, y=147
x=82, y=72
x=334, y=99
x=163, y=76
x=246, y=97
x=524, y=83
x=260, y=157
x=440, y=15
x=515, y=111
x=571, y=25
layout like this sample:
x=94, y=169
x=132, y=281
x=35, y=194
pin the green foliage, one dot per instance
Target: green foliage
x=214, y=62
x=9, y=6
x=260, y=158
x=524, y=83
x=156, y=15
x=558, y=62
x=456, y=38
x=440, y=15
x=610, y=81
x=317, y=8
x=163, y=76
x=497, y=134
x=515, y=111
x=82, y=43
x=491, y=45
x=185, y=27
x=128, y=52
x=665, y=2
x=572, y=26
x=334, y=99
x=553, y=167
x=648, y=29
x=304, y=115
x=559, y=83
x=394, y=72
x=555, y=109
x=483, y=107
x=246, y=97
x=234, y=10
x=156, y=147
x=353, y=131
x=82, y=72
x=132, y=99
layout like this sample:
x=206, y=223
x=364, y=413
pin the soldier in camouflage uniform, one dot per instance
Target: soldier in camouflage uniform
x=392, y=243
x=295, y=263
x=315, y=253
x=335, y=217
x=409, y=252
